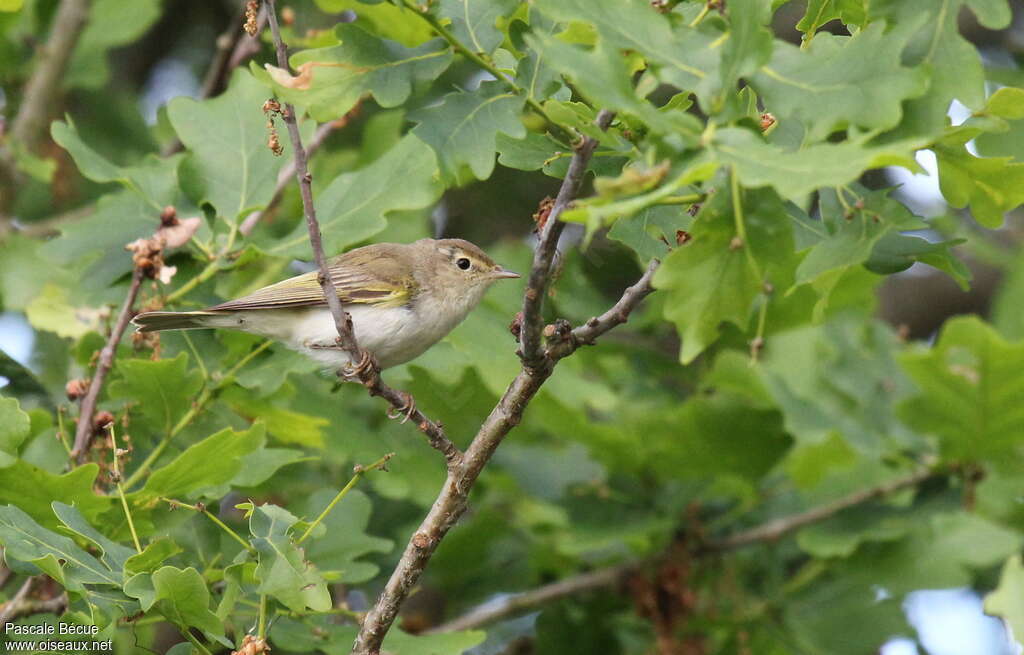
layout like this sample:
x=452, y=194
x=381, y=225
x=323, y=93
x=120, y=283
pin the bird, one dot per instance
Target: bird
x=403, y=298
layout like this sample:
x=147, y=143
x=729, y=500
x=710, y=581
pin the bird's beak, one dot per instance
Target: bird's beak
x=502, y=273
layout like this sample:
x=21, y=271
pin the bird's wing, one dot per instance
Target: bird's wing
x=388, y=282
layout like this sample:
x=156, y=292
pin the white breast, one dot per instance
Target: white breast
x=394, y=335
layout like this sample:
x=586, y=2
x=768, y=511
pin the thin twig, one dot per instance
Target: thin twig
x=360, y=471
x=778, y=528
x=284, y=178
x=201, y=508
x=120, y=488
x=618, y=314
x=453, y=499
x=547, y=244
x=363, y=367
x=85, y=430
x=514, y=604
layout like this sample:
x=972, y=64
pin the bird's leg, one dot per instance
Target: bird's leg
x=319, y=345
x=406, y=409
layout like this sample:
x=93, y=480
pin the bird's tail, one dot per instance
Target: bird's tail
x=158, y=321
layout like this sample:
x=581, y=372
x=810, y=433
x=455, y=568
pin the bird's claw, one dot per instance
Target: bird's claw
x=365, y=363
x=406, y=409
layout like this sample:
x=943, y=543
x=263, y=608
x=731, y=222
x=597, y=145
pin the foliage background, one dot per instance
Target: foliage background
x=670, y=435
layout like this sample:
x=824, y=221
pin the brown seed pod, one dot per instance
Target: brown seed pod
x=76, y=388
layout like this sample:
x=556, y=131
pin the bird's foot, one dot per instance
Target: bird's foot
x=405, y=410
x=356, y=372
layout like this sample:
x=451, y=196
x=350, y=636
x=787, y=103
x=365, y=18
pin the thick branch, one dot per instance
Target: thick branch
x=85, y=429
x=364, y=368
x=547, y=245
x=453, y=500
x=40, y=95
x=41, y=90
x=773, y=530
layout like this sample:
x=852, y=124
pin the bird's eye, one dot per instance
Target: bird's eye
x=463, y=263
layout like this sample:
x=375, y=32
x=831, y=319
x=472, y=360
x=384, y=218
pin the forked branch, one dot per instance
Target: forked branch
x=363, y=366
x=453, y=499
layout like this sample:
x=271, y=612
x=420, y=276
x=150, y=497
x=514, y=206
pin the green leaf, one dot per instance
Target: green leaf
x=852, y=13
x=385, y=20
x=332, y=80
x=25, y=540
x=1007, y=600
x=52, y=311
x=204, y=467
x=33, y=490
x=991, y=186
x=682, y=56
x=474, y=22
x=113, y=554
x=797, y=173
x=283, y=571
x=152, y=556
x=117, y=219
x=748, y=44
x=354, y=206
x=260, y=465
x=839, y=82
x=852, y=224
x=897, y=252
x=932, y=32
x=14, y=426
x=155, y=179
x=708, y=280
x=345, y=539
x=970, y=391
x=718, y=436
x=650, y=231
x=227, y=141
x=462, y=129
x=287, y=425
x=181, y=596
x=602, y=75
x=164, y=389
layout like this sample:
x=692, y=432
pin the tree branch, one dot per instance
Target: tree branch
x=547, y=245
x=364, y=368
x=22, y=605
x=778, y=528
x=85, y=430
x=453, y=499
x=514, y=604
x=39, y=99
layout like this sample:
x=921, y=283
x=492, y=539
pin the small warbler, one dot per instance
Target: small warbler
x=403, y=298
